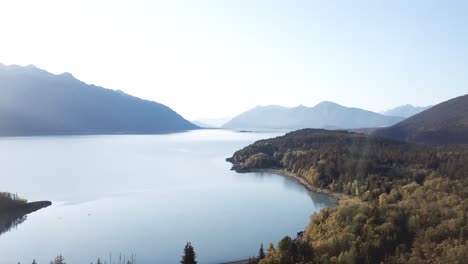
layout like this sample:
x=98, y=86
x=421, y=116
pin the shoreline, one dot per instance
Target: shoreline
x=245, y=261
x=337, y=196
x=27, y=208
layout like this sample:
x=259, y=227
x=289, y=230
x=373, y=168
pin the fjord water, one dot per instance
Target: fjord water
x=146, y=195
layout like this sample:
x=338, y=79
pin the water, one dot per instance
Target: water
x=146, y=195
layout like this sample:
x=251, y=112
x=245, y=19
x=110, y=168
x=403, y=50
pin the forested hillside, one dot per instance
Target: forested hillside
x=407, y=203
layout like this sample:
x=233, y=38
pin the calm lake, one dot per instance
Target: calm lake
x=146, y=195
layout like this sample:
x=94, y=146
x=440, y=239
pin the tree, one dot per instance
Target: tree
x=261, y=252
x=189, y=255
x=34, y=261
x=58, y=260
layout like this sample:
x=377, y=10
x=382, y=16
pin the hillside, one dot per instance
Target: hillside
x=445, y=123
x=36, y=102
x=324, y=115
x=402, y=203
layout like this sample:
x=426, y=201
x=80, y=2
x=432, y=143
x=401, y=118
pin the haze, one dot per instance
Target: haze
x=208, y=59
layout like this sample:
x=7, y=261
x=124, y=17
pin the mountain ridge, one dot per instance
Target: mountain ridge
x=406, y=111
x=323, y=115
x=445, y=123
x=36, y=102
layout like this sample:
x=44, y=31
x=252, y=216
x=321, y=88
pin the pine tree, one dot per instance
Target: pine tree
x=34, y=261
x=58, y=260
x=189, y=255
x=261, y=252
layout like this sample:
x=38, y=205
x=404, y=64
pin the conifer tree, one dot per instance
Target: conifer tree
x=189, y=255
x=261, y=252
x=58, y=260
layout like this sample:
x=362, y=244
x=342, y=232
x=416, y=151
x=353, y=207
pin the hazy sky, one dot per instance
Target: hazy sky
x=217, y=58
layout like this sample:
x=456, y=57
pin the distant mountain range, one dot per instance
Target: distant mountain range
x=327, y=115
x=406, y=110
x=445, y=123
x=36, y=102
x=211, y=122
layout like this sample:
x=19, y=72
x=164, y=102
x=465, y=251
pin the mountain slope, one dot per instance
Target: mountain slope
x=323, y=115
x=445, y=123
x=35, y=102
x=211, y=122
x=406, y=110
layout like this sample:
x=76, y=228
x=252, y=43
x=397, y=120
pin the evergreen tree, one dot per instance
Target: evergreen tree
x=58, y=260
x=261, y=252
x=189, y=255
x=34, y=261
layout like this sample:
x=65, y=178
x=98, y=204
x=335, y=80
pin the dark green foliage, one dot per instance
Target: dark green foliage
x=9, y=201
x=189, y=256
x=261, y=253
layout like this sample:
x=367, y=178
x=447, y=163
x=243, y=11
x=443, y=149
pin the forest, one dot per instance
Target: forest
x=403, y=203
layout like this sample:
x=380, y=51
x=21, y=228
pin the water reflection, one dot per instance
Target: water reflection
x=318, y=199
x=10, y=221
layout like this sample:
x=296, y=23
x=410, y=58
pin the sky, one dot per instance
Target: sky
x=210, y=59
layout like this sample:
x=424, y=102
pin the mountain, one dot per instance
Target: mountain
x=211, y=122
x=201, y=124
x=324, y=115
x=36, y=102
x=445, y=123
x=406, y=110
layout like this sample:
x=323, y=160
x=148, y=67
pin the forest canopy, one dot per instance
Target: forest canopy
x=405, y=203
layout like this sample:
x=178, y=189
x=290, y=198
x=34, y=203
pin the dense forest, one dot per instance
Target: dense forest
x=404, y=204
